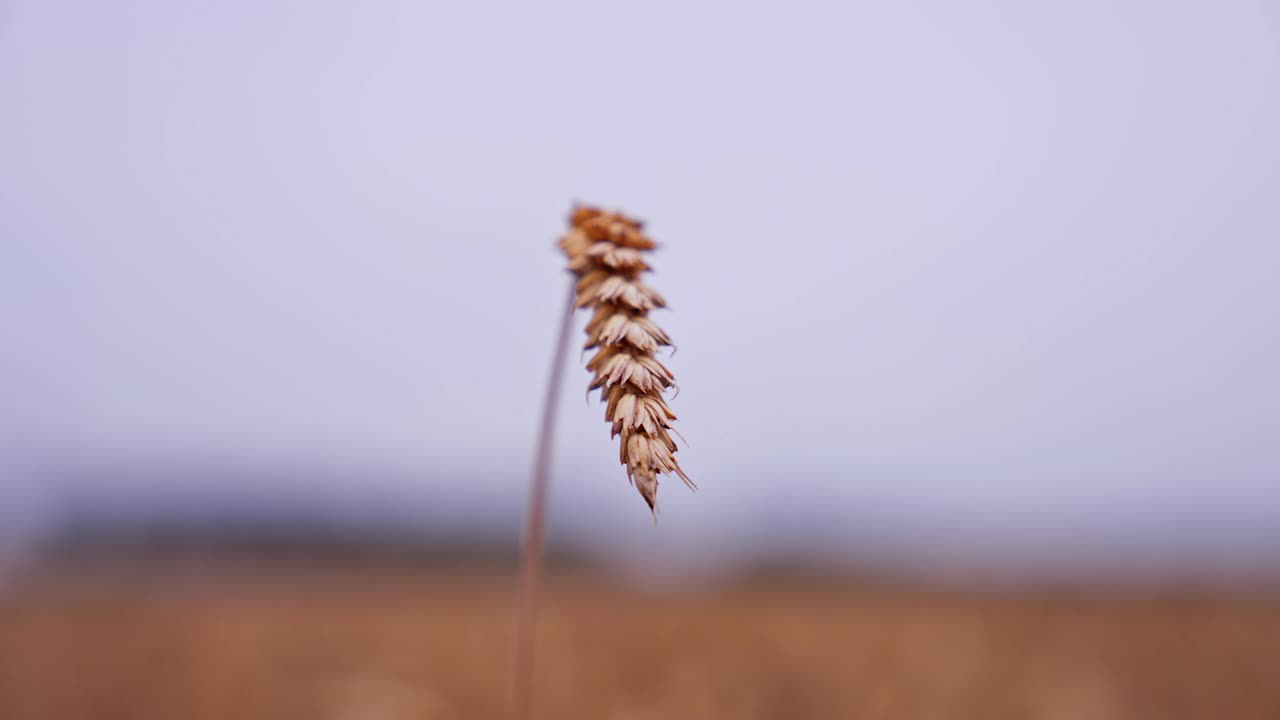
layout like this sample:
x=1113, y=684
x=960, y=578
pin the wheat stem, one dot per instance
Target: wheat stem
x=535, y=522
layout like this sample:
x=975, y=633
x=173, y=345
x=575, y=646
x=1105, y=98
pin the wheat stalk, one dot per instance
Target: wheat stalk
x=535, y=521
x=606, y=253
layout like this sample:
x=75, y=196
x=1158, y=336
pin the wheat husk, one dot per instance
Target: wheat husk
x=606, y=251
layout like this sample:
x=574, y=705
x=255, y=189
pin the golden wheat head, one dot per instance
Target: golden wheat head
x=606, y=253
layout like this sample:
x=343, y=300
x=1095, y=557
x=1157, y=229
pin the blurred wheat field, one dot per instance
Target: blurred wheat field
x=388, y=648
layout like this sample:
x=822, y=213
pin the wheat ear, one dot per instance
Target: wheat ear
x=606, y=252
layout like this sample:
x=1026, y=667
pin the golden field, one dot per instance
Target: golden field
x=385, y=647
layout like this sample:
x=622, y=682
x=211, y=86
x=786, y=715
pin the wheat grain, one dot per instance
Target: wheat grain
x=606, y=253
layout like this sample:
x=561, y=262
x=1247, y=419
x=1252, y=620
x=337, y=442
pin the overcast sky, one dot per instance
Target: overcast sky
x=991, y=276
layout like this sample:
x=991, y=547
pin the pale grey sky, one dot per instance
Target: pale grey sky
x=999, y=277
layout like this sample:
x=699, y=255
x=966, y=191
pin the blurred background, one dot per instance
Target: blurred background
x=976, y=308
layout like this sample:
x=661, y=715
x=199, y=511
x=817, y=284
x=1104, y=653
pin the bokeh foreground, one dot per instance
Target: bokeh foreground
x=382, y=645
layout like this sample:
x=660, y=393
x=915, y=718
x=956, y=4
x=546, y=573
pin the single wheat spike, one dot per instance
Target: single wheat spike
x=606, y=253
